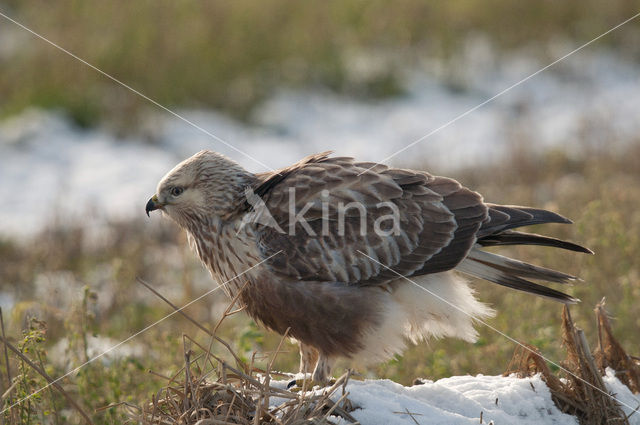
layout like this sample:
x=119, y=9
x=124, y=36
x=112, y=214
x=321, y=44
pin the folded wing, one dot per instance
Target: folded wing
x=331, y=211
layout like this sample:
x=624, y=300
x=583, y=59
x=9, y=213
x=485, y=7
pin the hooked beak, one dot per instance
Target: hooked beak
x=153, y=204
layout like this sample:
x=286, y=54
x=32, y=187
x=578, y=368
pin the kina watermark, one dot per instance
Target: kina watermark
x=324, y=216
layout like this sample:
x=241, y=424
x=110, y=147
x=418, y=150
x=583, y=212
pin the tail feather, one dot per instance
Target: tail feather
x=485, y=272
x=509, y=272
x=519, y=268
x=512, y=237
x=505, y=217
x=497, y=230
x=541, y=216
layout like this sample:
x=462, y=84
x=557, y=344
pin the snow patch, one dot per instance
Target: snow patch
x=457, y=400
x=51, y=170
x=460, y=400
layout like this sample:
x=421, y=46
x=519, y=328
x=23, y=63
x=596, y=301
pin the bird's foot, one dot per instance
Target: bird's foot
x=307, y=383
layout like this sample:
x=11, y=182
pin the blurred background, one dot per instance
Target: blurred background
x=80, y=155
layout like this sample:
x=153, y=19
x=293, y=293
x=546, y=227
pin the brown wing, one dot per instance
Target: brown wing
x=437, y=221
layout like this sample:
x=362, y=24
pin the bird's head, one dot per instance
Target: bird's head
x=202, y=187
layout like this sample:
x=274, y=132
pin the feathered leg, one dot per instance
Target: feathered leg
x=308, y=358
x=312, y=360
x=322, y=371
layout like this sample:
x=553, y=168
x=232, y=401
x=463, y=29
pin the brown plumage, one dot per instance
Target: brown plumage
x=331, y=238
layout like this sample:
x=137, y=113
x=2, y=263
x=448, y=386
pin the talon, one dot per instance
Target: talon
x=296, y=385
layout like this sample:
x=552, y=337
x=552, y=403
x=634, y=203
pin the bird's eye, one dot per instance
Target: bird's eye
x=176, y=191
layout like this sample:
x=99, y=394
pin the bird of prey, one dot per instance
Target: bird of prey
x=352, y=258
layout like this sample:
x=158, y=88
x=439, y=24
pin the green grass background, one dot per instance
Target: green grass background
x=231, y=55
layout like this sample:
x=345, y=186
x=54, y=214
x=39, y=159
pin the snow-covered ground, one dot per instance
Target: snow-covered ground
x=51, y=169
x=459, y=400
x=463, y=400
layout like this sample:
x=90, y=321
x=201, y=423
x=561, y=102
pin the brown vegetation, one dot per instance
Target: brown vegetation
x=582, y=391
x=210, y=391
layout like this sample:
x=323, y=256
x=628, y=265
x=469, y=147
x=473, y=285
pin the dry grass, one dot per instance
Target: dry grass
x=210, y=391
x=609, y=353
x=582, y=392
